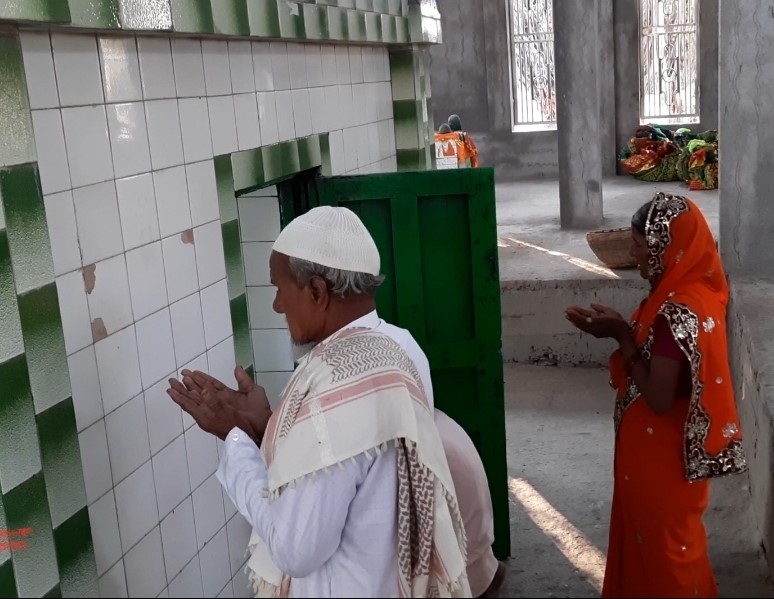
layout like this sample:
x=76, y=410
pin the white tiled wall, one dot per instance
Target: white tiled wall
x=126, y=129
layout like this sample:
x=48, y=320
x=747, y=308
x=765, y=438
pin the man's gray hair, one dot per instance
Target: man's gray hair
x=340, y=282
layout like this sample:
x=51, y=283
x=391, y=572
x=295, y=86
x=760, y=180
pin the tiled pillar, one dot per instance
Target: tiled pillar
x=43, y=511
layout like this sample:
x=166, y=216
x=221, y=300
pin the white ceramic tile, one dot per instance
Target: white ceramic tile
x=127, y=433
x=338, y=161
x=319, y=114
x=216, y=312
x=243, y=588
x=163, y=594
x=217, y=72
x=374, y=147
x=238, y=536
x=158, y=77
x=246, y=113
x=178, y=538
x=350, y=148
x=50, y=145
x=274, y=383
x=166, y=141
x=77, y=69
x=187, y=328
x=62, y=231
x=217, y=571
x=147, y=283
x=170, y=469
x=267, y=116
x=228, y=506
x=172, y=200
x=262, y=314
x=221, y=361
x=314, y=68
x=359, y=100
x=297, y=66
x=120, y=68
x=113, y=582
x=240, y=55
x=208, y=511
x=165, y=422
x=95, y=461
x=343, y=76
x=198, y=363
x=74, y=309
x=128, y=139
x=39, y=69
x=144, y=564
x=195, y=127
x=346, y=109
x=273, y=350
x=259, y=218
x=331, y=108
x=202, y=455
x=210, y=261
x=264, y=77
x=104, y=532
x=329, y=72
x=227, y=592
x=136, y=506
x=137, y=209
x=119, y=368
x=189, y=68
x=84, y=378
x=180, y=266
x=369, y=64
x=285, y=123
x=223, y=124
x=155, y=346
x=302, y=115
x=109, y=298
x=202, y=192
x=279, y=65
x=189, y=582
x=88, y=145
x=356, y=64
x=256, y=256
x=363, y=151
x=99, y=227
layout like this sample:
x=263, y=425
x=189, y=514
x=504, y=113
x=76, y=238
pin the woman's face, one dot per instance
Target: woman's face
x=639, y=251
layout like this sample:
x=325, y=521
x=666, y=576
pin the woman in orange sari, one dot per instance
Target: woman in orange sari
x=675, y=413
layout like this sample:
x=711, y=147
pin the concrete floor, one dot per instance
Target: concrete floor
x=560, y=453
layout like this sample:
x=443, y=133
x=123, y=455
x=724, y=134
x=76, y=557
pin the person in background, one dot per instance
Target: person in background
x=470, y=151
x=675, y=414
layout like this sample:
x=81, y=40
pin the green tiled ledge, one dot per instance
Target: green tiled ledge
x=355, y=21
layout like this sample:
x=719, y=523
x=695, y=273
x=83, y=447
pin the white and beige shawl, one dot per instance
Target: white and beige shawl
x=355, y=393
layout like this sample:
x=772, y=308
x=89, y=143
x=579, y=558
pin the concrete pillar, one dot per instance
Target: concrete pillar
x=746, y=82
x=577, y=51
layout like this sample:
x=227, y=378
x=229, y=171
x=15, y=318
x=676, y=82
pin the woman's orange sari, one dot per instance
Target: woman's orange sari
x=658, y=545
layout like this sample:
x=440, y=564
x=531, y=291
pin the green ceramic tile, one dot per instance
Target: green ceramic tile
x=224, y=177
x=54, y=593
x=337, y=23
x=11, y=341
x=381, y=6
x=315, y=22
x=367, y=5
x=373, y=27
x=19, y=453
x=405, y=113
x=263, y=18
x=404, y=10
x=411, y=160
x=247, y=167
x=34, y=10
x=7, y=580
x=146, y=15
x=280, y=161
x=356, y=29
x=75, y=556
x=243, y=346
x=192, y=16
x=389, y=32
x=291, y=20
x=230, y=17
x=26, y=507
x=393, y=7
x=309, y=155
x=61, y=457
x=44, y=346
x=346, y=3
x=402, y=75
x=402, y=30
x=96, y=14
x=25, y=216
x=232, y=250
x=17, y=144
x=325, y=155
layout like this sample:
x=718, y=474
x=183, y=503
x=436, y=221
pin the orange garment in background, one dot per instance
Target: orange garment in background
x=658, y=544
x=466, y=148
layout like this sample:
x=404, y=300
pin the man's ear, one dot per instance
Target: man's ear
x=319, y=290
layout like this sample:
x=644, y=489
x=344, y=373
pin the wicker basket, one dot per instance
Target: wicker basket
x=612, y=247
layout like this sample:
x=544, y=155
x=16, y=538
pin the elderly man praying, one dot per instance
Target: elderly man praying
x=350, y=493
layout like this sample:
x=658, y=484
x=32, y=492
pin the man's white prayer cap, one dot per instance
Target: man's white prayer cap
x=330, y=236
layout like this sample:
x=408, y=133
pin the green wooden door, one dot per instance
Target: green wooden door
x=436, y=233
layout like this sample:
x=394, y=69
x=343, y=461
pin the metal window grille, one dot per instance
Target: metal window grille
x=533, y=76
x=669, y=61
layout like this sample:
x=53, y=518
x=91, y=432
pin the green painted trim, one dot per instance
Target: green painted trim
x=337, y=23
x=243, y=347
x=230, y=17
x=35, y=10
x=291, y=25
x=373, y=27
x=402, y=30
x=192, y=16
x=356, y=26
x=7, y=579
x=17, y=142
x=95, y=14
x=412, y=160
x=75, y=556
x=224, y=179
x=315, y=22
x=309, y=155
x=325, y=155
x=247, y=167
x=389, y=29
x=232, y=252
x=263, y=18
x=146, y=15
